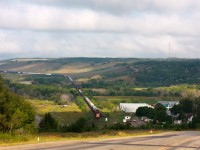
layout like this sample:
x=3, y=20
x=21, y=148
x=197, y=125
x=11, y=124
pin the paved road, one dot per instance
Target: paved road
x=189, y=140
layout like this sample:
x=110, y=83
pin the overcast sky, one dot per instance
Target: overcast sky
x=99, y=28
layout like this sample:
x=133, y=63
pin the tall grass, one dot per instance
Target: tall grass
x=13, y=138
x=9, y=139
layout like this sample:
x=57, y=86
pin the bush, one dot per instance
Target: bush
x=120, y=126
x=81, y=125
x=48, y=124
x=15, y=112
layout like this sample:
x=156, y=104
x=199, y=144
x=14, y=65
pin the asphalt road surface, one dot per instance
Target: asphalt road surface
x=187, y=140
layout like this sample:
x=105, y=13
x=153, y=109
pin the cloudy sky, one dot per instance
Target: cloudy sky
x=99, y=28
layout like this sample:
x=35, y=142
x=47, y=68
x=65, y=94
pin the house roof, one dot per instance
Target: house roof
x=168, y=103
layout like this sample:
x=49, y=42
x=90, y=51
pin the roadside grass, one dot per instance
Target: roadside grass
x=7, y=139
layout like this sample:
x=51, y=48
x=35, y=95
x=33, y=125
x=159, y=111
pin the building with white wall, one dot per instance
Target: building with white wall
x=132, y=107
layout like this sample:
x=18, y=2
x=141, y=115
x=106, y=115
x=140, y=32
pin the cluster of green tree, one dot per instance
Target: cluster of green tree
x=165, y=73
x=119, y=126
x=157, y=114
x=124, y=90
x=81, y=104
x=102, y=83
x=48, y=80
x=149, y=92
x=106, y=104
x=81, y=125
x=15, y=112
x=185, y=106
x=151, y=73
x=39, y=91
x=188, y=107
x=49, y=124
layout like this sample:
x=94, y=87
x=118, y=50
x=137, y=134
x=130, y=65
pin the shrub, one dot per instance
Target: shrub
x=48, y=124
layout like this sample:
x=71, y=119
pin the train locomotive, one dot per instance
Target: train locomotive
x=94, y=109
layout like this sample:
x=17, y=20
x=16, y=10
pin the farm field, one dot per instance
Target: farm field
x=63, y=114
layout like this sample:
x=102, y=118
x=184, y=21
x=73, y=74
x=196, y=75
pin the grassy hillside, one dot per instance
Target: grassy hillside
x=138, y=72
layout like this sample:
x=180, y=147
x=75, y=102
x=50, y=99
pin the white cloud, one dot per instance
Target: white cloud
x=129, y=28
x=65, y=44
x=9, y=44
x=51, y=18
x=124, y=6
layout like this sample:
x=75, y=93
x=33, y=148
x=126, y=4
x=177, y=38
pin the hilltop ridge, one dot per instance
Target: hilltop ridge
x=141, y=72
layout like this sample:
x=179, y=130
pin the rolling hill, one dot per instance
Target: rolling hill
x=139, y=72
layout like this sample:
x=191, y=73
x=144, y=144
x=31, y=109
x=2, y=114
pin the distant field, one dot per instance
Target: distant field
x=87, y=79
x=139, y=89
x=74, y=68
x=26, y=82
x=43, y=106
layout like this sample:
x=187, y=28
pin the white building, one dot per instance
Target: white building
x=132, y=107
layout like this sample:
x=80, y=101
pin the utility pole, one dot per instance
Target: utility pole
x=169, y=50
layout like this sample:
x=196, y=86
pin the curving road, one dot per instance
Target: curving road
x=187, y=140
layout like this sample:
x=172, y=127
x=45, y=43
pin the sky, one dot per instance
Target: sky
x=99, y=28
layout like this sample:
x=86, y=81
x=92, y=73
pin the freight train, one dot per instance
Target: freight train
x=94, y=109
